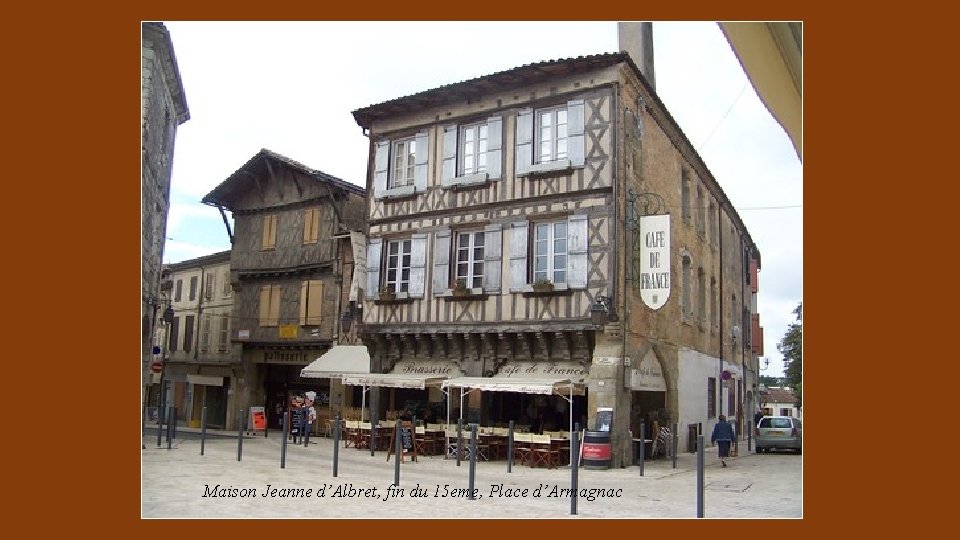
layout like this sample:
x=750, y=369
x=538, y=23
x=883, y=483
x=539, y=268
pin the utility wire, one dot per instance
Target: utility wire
x=704, y=144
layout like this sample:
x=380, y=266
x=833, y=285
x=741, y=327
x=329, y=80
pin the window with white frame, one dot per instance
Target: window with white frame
x=550, y=252
x=554, y=251
x=400, y=166
x=550, y=139
x=398, y=265
x=404, y=154
x=551, y=135
x=473, y=149
x=470, y=258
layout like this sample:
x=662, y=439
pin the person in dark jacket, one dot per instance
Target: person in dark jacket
x=723, y=436
x=757, y=417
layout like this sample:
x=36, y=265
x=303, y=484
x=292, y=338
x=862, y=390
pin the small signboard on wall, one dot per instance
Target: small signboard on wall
x=604, y=419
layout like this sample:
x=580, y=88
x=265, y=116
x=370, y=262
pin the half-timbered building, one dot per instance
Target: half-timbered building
x=502, y=221
x=291, y=268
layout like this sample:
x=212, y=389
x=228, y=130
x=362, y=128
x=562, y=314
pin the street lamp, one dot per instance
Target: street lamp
x=600, y=310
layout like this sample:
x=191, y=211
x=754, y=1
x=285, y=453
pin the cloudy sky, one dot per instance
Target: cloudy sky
x=291, y=86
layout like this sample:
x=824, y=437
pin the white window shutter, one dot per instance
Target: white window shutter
x=495, y=147
x=374, y=249
x=577, y=251
x=418, y=265
x=441, y=262
x=420, y=161
x=449, y=154
x=523, y=158
x=381, y=165
x=575, y=139
x=492, y=240
x=518, y=255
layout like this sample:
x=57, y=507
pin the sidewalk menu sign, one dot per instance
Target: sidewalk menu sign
x=407, y=447
x=258, y=419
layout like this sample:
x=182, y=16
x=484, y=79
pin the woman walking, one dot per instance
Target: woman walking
x=723, y=436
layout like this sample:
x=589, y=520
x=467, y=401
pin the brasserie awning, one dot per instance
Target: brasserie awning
x=338, y=362
x=546, y=387
x=418, y=381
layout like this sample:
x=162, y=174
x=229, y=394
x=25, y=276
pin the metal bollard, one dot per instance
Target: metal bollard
x=676, y=436
x=397, y=453
x=574, y=468
x=285, y=421
x=473, y=460
x=170, y=420
x=336, y=443
x=459, y=439
x=699, y=476
x=203, y=429
x=510, y=448
x=373, y=433
x=305, y=431
x=240, y=435
x=174, y=423
x=643, y=449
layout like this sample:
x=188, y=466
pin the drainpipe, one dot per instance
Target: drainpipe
x=721, y=309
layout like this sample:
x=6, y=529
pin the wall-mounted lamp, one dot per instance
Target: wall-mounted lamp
x=168, y=315
x=600, y=310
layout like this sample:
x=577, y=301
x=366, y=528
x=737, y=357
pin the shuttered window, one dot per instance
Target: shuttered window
x=686, y=292
x=311, y=302
x=269, y=233
x=204, y=345
x=550, y=138
x=470, y=258
x=174, y=342
x=550, y=252
x=311, y=225
x=224, y=333
x=208, y=288
x=227, y=287
x=178, y=292
x=270, y=305
x=398, y=265
x=711, y=397
x=188, y=323
x=403, y=157
x=193, y=288
x=685, y=195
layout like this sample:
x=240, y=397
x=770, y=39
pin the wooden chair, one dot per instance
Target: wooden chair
x=522, y=447
x=543, y=452
x=427, y=444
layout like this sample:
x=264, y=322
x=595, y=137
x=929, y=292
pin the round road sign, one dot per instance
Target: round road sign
x=156, y=366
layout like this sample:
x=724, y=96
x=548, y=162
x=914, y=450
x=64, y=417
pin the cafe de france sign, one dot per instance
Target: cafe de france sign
x=655, y=260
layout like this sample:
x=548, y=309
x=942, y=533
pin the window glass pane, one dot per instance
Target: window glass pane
x=559, y=261
x=537, y=276
x=541, y=264
x=478, y=239
x=560, y=229
x=559, y=276
x=545, y=119
x=562, y=131
x=468, y=164
x=463, y=240
x=541, y=248
x=462, y=269
x=562, y=116
x=560, y=245
x=542, y=230
x=468, y=135
x=483, y=131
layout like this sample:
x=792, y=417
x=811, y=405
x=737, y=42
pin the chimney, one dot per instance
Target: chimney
x=637, y=39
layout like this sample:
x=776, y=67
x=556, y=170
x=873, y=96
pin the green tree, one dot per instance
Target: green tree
x=791, y=347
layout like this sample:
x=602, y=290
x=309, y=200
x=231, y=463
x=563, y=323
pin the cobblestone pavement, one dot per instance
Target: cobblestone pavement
x=174, y=482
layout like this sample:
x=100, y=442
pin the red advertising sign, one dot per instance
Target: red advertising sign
x=258, y=418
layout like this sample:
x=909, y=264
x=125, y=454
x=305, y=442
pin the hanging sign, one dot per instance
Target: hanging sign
x=655, y=260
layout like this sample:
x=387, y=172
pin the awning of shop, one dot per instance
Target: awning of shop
x=206, y=380
x=395, y=380
x=339, y=362
x=547, y=387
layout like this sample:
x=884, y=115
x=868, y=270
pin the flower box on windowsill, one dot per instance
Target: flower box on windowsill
x=466, y=181
x=554, y=289
x=455, y=295
x=550, y=168
x=393, y=298
x=397, y=192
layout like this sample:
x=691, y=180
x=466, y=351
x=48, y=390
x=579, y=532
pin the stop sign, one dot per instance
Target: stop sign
x=156, y=366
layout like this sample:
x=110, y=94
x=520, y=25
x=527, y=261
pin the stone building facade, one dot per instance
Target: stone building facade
x=481, y=191
x=163, y=108
x=195, y=342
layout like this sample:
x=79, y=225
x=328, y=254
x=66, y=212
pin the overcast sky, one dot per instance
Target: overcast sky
x=291, y=86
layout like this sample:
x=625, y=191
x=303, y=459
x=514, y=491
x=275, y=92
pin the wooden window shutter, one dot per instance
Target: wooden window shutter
x=381, y=165
x=204, y=332
x=518, y=255
x=188, y=333
x=265, y=305
x=208, y=289
x=418, y=265
x=275, y=292
x=374, y=249
x=311, y=302
x=269, y=240
x=523, y=157
x=311, y=225
x=174, y=338
x=575, y=139
x=441, y=262
x=577, y=251
x=449, y=154
x=420, y=159
x=224, y=331
x=492, y=256
x=495, y=147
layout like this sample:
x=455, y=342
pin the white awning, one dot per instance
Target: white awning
x=206, y=380
x=394, y=380
x=338, y=362
x=547, y=387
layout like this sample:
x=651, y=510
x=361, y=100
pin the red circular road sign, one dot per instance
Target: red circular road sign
x=156, y=366
x=725, y=375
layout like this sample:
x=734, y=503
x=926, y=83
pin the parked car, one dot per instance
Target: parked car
x=779, y=432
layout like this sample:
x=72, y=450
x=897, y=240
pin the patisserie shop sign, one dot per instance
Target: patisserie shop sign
x=655, y=260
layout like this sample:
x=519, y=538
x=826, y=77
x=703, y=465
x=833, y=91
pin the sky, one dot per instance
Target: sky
x=291, y=87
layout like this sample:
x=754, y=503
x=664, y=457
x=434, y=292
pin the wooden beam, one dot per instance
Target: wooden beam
x=226, y=223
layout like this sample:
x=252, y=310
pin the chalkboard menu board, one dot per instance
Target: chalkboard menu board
x=407, y=446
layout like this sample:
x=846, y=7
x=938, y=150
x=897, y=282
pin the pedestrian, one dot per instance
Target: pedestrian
x=722, y=435
x=757, y=417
